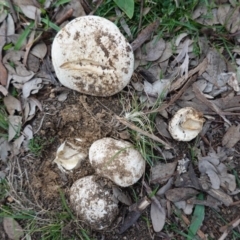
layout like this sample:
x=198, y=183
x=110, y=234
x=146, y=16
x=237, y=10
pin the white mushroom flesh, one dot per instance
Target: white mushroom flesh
x=186, y=124
x=90, y=55
x=92, y=203
x=117, y=160
x=69, y=156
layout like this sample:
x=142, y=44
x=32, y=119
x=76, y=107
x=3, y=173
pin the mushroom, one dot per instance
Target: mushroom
x=69, y=156
x=90, y=55
x=186, y=124
x=93, y=203
x=117, y=160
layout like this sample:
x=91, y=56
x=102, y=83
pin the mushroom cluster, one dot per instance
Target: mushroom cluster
x=114, y=160
x=90, y=55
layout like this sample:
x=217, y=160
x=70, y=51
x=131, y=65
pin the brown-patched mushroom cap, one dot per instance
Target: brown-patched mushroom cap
x=90, y=55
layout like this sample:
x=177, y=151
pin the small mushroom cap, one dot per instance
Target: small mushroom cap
x=186, y=124
x=90, y=55
x=117, y=160
x=93, y=203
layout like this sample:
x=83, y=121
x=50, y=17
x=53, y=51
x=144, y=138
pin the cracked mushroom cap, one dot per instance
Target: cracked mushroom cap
x=93, y=203
x=186, y=124
x=117, y=160
x=91, y=56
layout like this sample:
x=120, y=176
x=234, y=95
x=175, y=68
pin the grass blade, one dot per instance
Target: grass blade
x=23, y=36
x=197, y=219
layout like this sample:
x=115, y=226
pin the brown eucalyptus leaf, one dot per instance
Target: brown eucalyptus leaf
x=214, y=178
x=161, y=172
x=12, y=228
x=167, y=53
x=179, y=194
x=12, y=104
x=15, y=123
x=232, y=136
x=158, y=216
x=39, y=50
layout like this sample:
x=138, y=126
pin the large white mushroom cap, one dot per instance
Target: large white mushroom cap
x=90, y=55
x=93, y=203
x=117, y=161
x=186, y=124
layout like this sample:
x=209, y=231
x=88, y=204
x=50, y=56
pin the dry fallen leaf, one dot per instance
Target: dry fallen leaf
x=12, y=104
x=179, y=194
x=154, y=49
x=4, y=149
x=158, y=216
x=39, y=50
x=31, y=87
x=121, y=196
x=12, y=228
x=15, y=123
x=161, y=172
x=231, y=137
x=31, y=12
x=3, y=71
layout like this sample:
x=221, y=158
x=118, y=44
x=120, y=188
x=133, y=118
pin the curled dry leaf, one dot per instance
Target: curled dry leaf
x=12, y=104
x=3, y=90
x=12, y=228
x=222, y=12
x=31, y=87
x=161, y=126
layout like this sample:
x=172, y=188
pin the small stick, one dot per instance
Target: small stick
x=137, y=129
x=229, y=227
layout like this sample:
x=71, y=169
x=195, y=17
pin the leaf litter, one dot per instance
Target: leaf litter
x=172, y=65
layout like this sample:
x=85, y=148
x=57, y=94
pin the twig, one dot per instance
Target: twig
x=139, y=130
x=229, y=227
